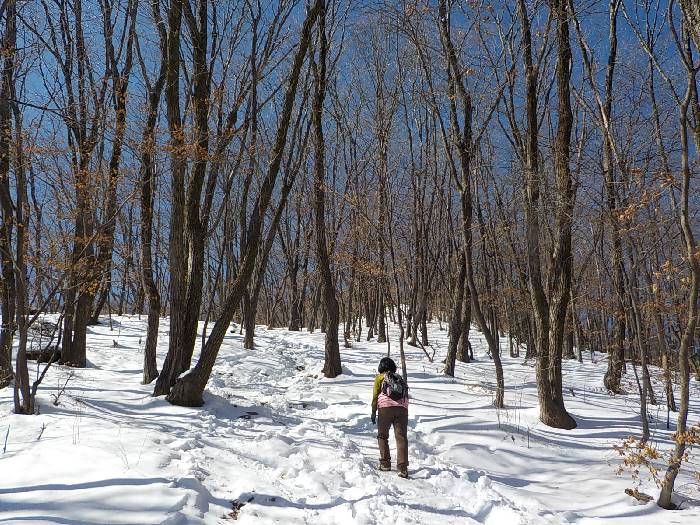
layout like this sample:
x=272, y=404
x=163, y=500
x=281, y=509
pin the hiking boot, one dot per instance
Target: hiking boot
x=384, y=468
x=403, y=473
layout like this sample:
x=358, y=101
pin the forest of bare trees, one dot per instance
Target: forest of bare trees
x=522, y=168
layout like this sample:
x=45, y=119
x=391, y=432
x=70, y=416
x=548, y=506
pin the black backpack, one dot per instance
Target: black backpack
x=394, y=386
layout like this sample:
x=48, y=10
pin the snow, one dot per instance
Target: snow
x=278, y=443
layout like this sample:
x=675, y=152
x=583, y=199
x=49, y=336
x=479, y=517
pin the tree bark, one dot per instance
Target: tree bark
x=464, y=352
x=688, y=336
x=456, y=318
x=148, y=179
x=177, y=245
x=332, y=366
x=691, y=11
x=7, y=206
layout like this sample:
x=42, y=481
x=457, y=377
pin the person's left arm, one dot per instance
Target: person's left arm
x=375, y=396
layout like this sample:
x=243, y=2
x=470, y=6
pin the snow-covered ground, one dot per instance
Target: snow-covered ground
x=277, y=443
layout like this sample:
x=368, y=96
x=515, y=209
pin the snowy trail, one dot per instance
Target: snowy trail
x=277, y=443
x=325, y=470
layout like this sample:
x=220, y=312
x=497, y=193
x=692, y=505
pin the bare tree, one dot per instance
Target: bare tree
x=120, y=87
x=550, y=303
x=332, y=366
x=466, y=141
x=189, y=389
x=7, y=260
x=147, y=180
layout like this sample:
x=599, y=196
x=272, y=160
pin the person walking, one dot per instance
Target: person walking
x=390, y=403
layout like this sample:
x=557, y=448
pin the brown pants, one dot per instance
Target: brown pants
x=398, y=417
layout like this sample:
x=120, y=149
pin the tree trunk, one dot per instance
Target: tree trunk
x=177, y=245
x=332, y=366
x=463, y=141
x=24, y=399
x=148, y=185
x=369, y=314
x=689, y=332
x=10, y=297
x=691, y=11
x=549, y=312
x=294, y=306
x=381, y=312
x=464, y=352
x=249, y=311
x=456, y=319
x=616, y=355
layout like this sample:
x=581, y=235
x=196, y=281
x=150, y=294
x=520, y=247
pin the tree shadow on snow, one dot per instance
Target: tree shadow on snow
x=85, y=485
x=267, y=500
x=53, y=519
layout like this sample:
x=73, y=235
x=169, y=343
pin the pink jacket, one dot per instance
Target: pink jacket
x=384, y=401
x=381, y=400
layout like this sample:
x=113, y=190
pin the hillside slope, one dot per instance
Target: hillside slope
x=277, y=443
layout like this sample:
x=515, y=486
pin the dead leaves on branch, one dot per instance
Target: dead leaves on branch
x=647, y=461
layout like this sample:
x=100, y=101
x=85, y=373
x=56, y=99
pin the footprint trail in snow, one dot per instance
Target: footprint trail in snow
x=307, y=454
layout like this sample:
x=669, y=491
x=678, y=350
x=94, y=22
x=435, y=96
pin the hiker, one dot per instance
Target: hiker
x=390, y=396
